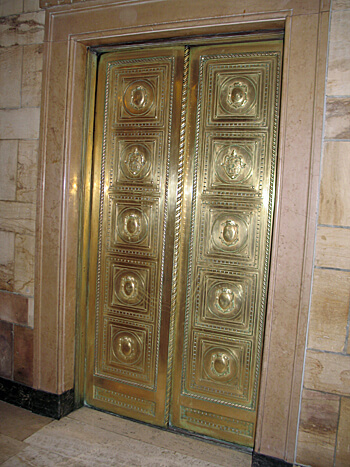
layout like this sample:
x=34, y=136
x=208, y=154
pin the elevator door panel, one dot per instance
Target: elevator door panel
x=226, y=232
x=184, y=170
x=135, y=150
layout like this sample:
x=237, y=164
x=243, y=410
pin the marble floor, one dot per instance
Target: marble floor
x=87, y=437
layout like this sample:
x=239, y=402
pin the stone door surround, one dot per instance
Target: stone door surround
x=71, y=30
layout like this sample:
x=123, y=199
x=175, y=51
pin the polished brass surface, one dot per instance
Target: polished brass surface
x=84, y=226
x=184, y=167
x=225, y=238
x=133, y=207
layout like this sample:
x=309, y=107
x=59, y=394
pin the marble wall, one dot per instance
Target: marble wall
x=21, y=52
x=323, y=436
x=324, y=428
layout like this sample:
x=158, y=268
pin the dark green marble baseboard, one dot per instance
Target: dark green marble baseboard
x=40, y=402
x=260, y=460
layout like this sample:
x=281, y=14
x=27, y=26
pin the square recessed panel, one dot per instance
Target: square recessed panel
x=128, y=353
x=142, y=88
x=219, y=369
x=230, y=232
x=138, y=96
x=137, y=162
x=234, y=164
x=226, y=301
x=237, y=93
x=131, y=289
x=133, y=224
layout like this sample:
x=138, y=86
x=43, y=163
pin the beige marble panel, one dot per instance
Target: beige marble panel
x=311, y=223
x=30, y=5
x=17, y=217
x=10, y=76
x=90, y=445
x=289, y=238
x=7, y=260
x=329, y=310
x=24, y=264
x=9, y=447
x=340, y=4
x=171, y=15
x=342, y=458
x=327, y=372
x=333, y=248
x=325, y=5
x=27, y=28
x=27, y=171
x=50, y=211
x=8, y=169
x=23, y=355
x=187, y=445
x=18, y=423
x=14, y=308
x=317, y=429
x=335, y=186
x=11, y=7
x=337, y=124
x=6, y=354
x=338, y=82
x=32, y=75
x=19, y=123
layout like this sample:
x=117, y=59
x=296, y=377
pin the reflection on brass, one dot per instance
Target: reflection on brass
x=129, y=287
x=185, y=153
x=135, y=161
x=224, y=299
x=237, y=94
x=132, y=225
x=233, y=164
x=138, y=97
x=126, y=347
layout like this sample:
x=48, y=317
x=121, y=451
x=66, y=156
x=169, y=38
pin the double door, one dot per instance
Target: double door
x=183, y=190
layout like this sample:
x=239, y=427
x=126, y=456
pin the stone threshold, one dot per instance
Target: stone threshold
x=59, y=405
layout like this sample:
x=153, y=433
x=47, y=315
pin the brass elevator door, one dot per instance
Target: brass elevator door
x=183, y=190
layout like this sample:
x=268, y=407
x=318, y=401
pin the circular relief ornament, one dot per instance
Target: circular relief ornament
x=233, y=164
x=220, y=365
x=129, y=287
x=132, y=225
x=138, y=97
x=225, y=299
x=237, y=95
x=127, y=347
x=229, y=232
x=135, y=161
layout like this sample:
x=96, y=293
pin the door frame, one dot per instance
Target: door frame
x=88, y=253
x=71, y=30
